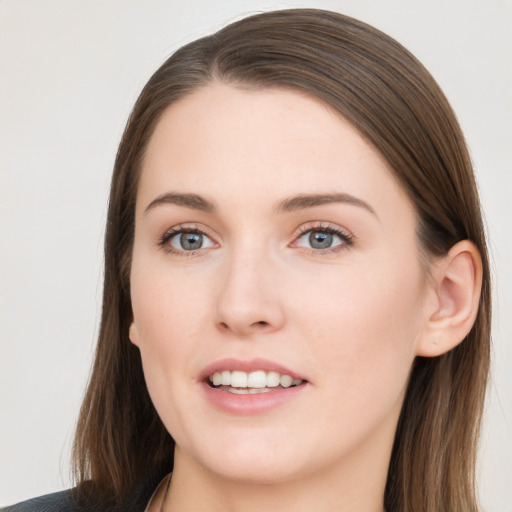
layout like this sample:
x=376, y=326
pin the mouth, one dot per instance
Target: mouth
x=251, y=387
x=251, y=383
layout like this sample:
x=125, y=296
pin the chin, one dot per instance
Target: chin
x=256, y=472
x=249, y=462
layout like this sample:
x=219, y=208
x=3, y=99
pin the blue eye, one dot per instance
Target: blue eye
x=322, y=239
x=189, y=241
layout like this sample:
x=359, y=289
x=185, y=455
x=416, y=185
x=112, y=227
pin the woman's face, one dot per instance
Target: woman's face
x=272, y=245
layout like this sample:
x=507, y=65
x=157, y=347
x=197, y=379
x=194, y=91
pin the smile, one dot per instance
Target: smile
x=245, y=383
x=250, y=387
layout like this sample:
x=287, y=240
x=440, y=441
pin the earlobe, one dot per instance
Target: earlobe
x=457, y=281
x=133, y=334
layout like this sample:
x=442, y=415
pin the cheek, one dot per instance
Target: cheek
x=170, y=315
x=363, y=341
x=169, y=319
x=165, y=303
x=363, y=326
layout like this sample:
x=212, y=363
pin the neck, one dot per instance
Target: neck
x=346, y=487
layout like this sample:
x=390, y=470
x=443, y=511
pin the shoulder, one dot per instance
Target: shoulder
x=65, y=501
x=55, y=502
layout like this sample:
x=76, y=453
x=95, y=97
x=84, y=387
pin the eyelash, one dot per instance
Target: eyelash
x=178, y=230
x=348, y=239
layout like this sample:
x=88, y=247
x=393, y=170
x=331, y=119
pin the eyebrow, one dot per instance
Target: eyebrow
x=288, y=205
x=193, y=201
x=302, y=201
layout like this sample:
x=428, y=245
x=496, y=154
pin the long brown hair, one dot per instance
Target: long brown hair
x=378, y=86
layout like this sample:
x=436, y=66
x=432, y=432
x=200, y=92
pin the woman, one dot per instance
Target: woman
x=296, y=303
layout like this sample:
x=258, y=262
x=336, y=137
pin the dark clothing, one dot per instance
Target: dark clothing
x=58, y=501
x=64, y=501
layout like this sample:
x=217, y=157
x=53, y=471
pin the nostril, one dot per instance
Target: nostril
x=244, y=328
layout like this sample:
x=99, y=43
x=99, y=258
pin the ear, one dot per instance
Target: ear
x=456, y=285
x=133, y=333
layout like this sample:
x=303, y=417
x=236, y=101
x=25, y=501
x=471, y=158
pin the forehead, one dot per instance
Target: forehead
x=233, y=142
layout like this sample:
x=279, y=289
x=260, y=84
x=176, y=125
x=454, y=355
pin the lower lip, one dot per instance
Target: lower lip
x=247, y=405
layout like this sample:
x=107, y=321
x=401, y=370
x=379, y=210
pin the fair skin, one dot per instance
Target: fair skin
x=345, y=310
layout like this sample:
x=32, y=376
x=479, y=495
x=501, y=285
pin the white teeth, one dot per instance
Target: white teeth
x=286, y=381
x=247, y=391
x=238, y=380
x=273, y=379
x=258, y=380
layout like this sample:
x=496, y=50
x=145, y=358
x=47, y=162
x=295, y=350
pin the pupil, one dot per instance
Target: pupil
x=320, y=240
x=191, y=241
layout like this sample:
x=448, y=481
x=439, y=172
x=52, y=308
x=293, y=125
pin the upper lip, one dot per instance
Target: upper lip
x=248, y=366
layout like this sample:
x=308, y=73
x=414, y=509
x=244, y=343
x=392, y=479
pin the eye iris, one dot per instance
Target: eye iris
x=320, y=239
x=191, y=241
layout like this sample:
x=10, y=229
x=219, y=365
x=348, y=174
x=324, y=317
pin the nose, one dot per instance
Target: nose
x=248, y=301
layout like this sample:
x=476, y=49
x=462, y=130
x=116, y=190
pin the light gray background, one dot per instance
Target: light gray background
x=69, y=75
